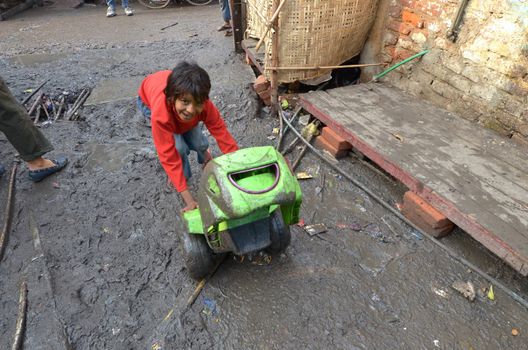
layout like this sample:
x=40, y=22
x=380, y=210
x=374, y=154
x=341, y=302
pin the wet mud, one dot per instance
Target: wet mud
x=98, y=244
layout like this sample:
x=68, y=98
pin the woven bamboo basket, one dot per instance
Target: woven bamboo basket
x=312, y=33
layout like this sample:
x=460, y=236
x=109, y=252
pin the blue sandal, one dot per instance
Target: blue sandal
x=41, y=174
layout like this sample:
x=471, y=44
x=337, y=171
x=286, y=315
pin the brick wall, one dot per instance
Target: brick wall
x=482, y=76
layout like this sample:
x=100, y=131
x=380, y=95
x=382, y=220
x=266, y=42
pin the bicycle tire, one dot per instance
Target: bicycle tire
x=199, y=2
x=155, y=4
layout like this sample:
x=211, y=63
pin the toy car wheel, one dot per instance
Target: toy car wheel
x=280, y=235
x=197, y=255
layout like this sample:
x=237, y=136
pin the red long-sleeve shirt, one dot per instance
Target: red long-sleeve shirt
x=165, y=124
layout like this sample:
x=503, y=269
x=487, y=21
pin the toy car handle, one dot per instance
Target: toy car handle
x=277, y=176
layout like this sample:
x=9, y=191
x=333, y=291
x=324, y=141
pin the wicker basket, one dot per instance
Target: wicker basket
x=313, y=33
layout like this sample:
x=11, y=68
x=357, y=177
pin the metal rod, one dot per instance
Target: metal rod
x=448, y=250
x=283, y=131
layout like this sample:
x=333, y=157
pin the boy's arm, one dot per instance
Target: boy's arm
x=171, y=162
x=216, y=126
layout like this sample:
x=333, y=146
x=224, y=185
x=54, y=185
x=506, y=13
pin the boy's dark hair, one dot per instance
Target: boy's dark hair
x=188, y=78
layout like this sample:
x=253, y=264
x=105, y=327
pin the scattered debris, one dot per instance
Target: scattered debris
x=440, y=292
x=398, y=137
x=275, y=131
x=301, y=223
x=491, y=294
x=467, y=289
x=303, y=176
x=21, y=318
x=209, y=307
x=315, y=229
x=272, y=137
x=354, y=227
x=304, y=119
x=515, y=332
x=285, y=104
x=436, y=343
x=169, y=26
x=8, y=211
x=308, y=133
x=262, y=258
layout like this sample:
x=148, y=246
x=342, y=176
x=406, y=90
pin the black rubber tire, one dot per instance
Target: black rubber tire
x=199, y=2
x=155, y=4
x=197, y=255
x=280, y=235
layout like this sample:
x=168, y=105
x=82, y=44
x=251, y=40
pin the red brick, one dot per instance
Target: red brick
x=265, y=96
x=395, y=11
x=412, y=18
x=261, y=84
x=399, y=27
x=420, y=222
x=322, y=143
x=334, y=139
x=425, y=216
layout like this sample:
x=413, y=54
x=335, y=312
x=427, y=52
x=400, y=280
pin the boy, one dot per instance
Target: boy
x=176, y=102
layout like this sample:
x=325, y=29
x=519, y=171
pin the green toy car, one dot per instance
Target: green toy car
x=246, y=202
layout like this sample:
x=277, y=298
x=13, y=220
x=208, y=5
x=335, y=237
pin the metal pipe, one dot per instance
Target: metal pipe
x=452, y=33
x=377, y=76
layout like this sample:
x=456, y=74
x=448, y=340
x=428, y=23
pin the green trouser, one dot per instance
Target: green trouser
x=18, y=127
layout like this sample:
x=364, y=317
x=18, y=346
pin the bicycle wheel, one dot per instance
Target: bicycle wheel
x=199, y=2
x=155, y=4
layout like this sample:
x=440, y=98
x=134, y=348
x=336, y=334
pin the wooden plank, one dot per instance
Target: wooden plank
x=256, y=58
x=501, y=227
x=426, y=154
x=391, y=100
x=469, y=160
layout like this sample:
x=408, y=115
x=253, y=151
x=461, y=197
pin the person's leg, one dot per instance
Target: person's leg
x=226, y=14
x=197, y=141
x=110, y=11
x=127, y=8
x=183, y=150
x=25, y=137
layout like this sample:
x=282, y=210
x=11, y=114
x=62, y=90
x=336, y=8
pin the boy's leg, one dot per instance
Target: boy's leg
x=110, y=11
x=197, y=141
x=226, y=12
x=25, y=137
x=183, y=150
x=145, y=111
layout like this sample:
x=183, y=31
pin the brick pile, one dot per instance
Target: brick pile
x=330, y=141
x=423, y=215
x=262, y=87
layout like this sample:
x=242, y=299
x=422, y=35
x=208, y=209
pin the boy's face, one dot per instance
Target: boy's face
x=187, y=108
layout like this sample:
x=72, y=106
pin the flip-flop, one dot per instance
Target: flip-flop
x=224, y=27
x=41, y=174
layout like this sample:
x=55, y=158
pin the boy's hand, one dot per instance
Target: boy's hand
x=190, y=203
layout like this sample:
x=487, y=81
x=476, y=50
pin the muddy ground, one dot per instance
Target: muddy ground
x=98, y=243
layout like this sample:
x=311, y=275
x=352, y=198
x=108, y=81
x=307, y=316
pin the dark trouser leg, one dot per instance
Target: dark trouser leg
x=25, y=137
